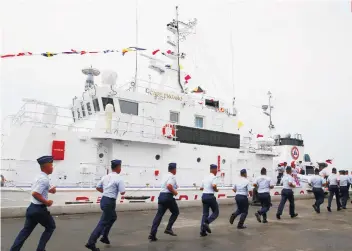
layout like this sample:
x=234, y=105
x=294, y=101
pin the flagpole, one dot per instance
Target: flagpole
x=178, y=51
x=136, y=60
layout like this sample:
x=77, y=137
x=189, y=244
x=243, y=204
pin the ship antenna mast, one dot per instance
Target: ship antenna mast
x=178, y=51
x=270, y=107
x=136, y=70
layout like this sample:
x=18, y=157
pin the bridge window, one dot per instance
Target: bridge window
x=83, y=110
x=78, y=114
x=89, y=109
x=96, y=105
x=174, y=117
x=107, y=101
x=128, y=107
x=73, y=116
x=199, y=122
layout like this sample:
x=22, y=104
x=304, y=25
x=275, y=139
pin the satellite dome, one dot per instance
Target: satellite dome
x=109, y=78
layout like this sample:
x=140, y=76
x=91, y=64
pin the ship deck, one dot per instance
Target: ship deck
x=310, y=231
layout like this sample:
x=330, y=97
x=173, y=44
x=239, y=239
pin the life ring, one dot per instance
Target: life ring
x=169, y=131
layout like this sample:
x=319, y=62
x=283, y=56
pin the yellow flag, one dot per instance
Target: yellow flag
x=239, y=124
x=181, y=67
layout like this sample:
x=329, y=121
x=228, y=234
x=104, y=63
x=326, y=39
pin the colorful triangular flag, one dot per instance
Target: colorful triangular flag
x=48, y=54
x=197, y=90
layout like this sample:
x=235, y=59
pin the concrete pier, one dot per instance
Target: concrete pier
x=309, y=232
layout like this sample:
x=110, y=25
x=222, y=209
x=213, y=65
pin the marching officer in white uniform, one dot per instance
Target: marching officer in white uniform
x=280, y=169
x=110, y=185
x=287, y=194
x=37, y=211
x=333, y=190
x=317, y=182
x=166, y=201
x=344, y=186
x=264, y=184
x=241, y=188
x=209, y=186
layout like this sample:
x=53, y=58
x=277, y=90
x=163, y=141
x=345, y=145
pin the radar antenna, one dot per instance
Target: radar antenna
x=90, y=73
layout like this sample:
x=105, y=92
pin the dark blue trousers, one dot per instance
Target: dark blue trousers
x=286, y=194
x=265, y=201
x=242, y=208
x=344, y=195
x=334, y=190
x=108, y=206
x=165, y=201
x=35, y=214
x=209, y=202
x=319, y=197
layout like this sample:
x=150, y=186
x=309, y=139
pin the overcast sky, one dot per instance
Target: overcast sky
x=299, y=50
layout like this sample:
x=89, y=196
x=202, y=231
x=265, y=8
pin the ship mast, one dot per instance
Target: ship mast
x=136, y=70
x=178, y=51
x=270, y=107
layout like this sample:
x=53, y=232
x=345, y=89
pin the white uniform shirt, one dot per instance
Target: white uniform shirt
x=350, y=179
x=280, y=169
x=317, y=181
x=343, y=180
x=332, y=179
x=41, y=186
x=286, y=180
x=169, y=178
x=263, y=182
x=242, y=186
x=112, y=185
x=208, y=183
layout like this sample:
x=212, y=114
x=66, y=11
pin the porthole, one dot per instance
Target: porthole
x=223, y=161
x=198, y=160
x=101, y=155
x=157, y=157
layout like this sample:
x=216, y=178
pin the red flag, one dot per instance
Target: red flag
x=8, y=56
x=169, y=52
x=260, y=136
x=24, y=54
x=188, y=77
x=155, y=52
x=329, y=161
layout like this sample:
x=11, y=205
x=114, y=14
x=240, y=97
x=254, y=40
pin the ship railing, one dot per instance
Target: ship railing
x=16, y=171
x=147, y=127
x=143, y=86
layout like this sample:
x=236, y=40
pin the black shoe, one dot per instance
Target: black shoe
x=344, y=208
x=258, y=217
x=105, y=240
x=329, y=209
x=232, y=218
x=294, y=216
x=92, y=247
x=207, y=228
x=152, y=237
x=203, y=234
x=265, y=221
x=315, y=208
x=339, y=209
x=241, y=227
x=278, y=217
x=170, y=232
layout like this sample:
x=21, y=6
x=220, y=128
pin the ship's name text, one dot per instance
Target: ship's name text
x=163, y=95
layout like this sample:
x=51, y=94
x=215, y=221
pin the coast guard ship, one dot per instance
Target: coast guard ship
x=147, y=125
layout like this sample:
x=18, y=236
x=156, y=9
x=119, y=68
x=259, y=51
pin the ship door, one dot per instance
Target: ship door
x=102, y=167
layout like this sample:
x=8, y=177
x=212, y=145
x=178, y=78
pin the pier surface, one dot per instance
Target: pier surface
x=309, y=232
